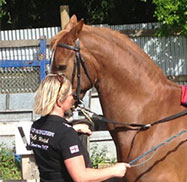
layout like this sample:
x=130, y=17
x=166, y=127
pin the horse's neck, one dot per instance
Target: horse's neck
x=118, y=56
x=121, y=62
x=127, y=77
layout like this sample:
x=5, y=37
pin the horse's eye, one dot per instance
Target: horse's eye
x=61, y=67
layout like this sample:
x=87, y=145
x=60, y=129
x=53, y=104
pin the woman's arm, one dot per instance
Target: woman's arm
x=79, y=173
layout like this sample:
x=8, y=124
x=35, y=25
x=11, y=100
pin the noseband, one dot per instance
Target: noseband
x=78, y=62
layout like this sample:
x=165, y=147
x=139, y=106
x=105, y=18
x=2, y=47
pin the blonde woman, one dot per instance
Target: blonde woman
x=59, y=154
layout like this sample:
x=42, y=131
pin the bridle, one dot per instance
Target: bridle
x=78, y=62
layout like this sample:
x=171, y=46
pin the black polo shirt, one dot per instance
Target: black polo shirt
x=53, y=140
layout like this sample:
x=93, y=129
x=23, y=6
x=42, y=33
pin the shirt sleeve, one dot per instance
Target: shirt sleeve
x=70, y=145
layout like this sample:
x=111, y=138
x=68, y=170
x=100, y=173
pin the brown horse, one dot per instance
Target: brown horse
x=132, y=89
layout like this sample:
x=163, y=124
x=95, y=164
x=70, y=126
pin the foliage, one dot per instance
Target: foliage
x=46, y=13
x=100, y=156
x=111, y=11
x=30, y=14
x=16, y=14
x=9, y=166
x=173, y=15
x=2, y=12
x=97, y=11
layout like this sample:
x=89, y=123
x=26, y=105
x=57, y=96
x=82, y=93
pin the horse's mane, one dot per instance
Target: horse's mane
x=123, y=42
x=116, y=37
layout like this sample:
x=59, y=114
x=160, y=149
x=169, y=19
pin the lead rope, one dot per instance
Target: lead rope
x=155, y=148
x=88, y=116
x=142, y=163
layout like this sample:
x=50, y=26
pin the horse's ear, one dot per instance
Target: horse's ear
x=73, y=19
x=80, y=25
x=74, y=32
x=72, y=22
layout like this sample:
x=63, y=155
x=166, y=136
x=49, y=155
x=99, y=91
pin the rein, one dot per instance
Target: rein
x=131, y=126
x=140, y=127
x=155, y=148
x=78, y=62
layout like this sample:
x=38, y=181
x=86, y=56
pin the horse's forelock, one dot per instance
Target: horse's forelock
x=56, y=39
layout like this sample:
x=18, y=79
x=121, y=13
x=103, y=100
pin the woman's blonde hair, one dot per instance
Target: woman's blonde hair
x=52, y=88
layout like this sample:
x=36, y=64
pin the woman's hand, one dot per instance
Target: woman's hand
x=82, y=128
x=119, y=169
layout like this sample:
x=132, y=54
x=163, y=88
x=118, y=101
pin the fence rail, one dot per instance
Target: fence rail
x=21, y=43
x=33, y=43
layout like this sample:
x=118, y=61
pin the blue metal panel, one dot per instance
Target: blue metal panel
x=42, y=58
x=22, y=63
x=42, y=62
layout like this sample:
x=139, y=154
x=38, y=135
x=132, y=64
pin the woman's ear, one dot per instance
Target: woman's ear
x=59, y=103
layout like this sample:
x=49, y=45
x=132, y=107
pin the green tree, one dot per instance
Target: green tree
x=30, y=14
x=2, y=12
x=46, y=13
x=173, y=15
x=112, y=11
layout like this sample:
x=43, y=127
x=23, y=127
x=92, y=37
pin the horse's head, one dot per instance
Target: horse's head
x=71, y=58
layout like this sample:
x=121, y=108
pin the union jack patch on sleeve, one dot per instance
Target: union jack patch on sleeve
x=74, y=149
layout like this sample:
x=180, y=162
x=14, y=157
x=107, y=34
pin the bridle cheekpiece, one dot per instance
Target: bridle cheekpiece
x=78, y=62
